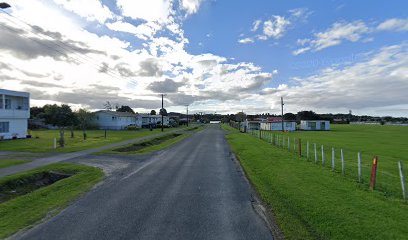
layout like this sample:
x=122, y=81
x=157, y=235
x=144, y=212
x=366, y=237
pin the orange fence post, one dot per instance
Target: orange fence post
x=373, y=173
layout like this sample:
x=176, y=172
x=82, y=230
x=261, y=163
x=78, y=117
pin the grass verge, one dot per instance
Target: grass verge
x=148, y=148
x=311, y=203
x=28, y=209
x=11, y=162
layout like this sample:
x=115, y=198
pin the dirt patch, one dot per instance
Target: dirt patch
x=27, y=184
x=145, y=144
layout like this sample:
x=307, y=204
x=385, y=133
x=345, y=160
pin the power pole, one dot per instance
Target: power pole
x=187, y=115
x=282, y=113
x=162, y=111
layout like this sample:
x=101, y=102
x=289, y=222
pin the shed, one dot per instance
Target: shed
x=277, y=126
x=315, y=125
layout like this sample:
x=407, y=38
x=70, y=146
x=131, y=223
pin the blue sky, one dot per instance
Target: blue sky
x=216, y=56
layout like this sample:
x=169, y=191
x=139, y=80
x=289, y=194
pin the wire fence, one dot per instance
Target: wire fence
x=341, y=160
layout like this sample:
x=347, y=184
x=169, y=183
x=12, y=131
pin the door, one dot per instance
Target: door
x=323, y=126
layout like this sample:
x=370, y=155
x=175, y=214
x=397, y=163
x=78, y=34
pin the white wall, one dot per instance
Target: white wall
x=17, y=128
x=109, y=121
x=277, y=126
x=307, y=125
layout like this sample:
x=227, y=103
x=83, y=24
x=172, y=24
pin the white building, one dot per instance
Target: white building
x=315, y=125
x=121, y=120
x=14, y=114
x=277, y=126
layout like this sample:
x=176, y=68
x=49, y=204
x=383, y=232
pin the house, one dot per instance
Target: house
x=277, y=126
x=252, y=125
x=105, y=119
x=315, y=125
x=14, y=114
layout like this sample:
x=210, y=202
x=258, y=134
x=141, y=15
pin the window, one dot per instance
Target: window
x=8, y=103
x=4, y=127
x=1, y=101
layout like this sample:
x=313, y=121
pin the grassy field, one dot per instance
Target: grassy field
x=389, y=143
x=25, y=210
x=311, y=203
x=42, y=140
x=11, y=162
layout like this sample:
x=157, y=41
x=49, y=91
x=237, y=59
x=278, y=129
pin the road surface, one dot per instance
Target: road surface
x=193, y=190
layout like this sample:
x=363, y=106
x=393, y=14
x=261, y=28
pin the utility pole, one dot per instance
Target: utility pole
x=282, y=113
x=162, y=111
x=187, y=115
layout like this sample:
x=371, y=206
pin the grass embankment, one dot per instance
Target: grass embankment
x=148, y=146
x=389, y=143
x=24, y=211
x=10, y=162
x=42, y=140
x=311, y=203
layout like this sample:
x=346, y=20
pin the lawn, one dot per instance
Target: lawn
x=26, y=210
x=11, y=162
x=310, y=202
x=389, y=143
x=42, y=140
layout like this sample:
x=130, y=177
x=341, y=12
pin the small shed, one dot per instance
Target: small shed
x=315, y=125
x=252, y=125
x=277, y=126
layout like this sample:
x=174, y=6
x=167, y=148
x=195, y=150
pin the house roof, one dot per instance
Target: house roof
x=118, y=114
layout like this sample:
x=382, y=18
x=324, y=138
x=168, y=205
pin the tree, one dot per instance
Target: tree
x=153, y=112
x=84, y=118
x=163, y=112
x=36, y=112
x=125, y=109
x=108, y=106
x=60, y=116
x=289, y=116
x=307, y=115
x=240, y=117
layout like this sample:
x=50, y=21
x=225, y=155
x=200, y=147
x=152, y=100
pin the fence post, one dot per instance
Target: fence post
x=333, y=160
x=359, y=166
x=283, y=141
x=322, y=155
x=294, y=145
x=300, y=147
x=402, y=178
x=307, y=150
x=315, y=152
x=342, y=162
x=373, y=173
x=259, y=133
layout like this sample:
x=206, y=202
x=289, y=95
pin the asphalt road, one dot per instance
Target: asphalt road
x=193, y=190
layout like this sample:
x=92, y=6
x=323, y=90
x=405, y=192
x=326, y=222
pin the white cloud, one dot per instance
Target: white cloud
x=394, y=24
x=152, y=10
x=276, y=27
x=246, y=40
x=255, y=25
x=92, y=10
x=191, y=6
x=143, y=31
x=335, y=35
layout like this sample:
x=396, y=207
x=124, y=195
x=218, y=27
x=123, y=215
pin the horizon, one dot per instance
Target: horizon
x=215, y=56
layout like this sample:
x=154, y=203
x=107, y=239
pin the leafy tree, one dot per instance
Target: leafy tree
x=153, y=112
x=125, y=109
x=307, y=115
x=240, y=117
x=289, y=116
x=84, y=118
x=61, y=116
x=107, y=106
x=35, y=112
x=163, y=112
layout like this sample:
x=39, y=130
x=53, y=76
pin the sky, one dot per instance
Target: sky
x=216, y=56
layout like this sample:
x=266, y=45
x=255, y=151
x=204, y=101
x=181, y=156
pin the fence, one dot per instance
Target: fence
x=388, y=177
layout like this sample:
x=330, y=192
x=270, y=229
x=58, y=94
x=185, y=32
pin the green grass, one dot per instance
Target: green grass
x=26, y=210
x=389, y=143
x=44, y=142
x=312, y=203
x=11, y=162
x=148, y=149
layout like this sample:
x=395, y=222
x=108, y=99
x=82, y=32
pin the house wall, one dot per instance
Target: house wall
x=307, y=125
x=109, y=121
x=17, y=128
x=277, y=126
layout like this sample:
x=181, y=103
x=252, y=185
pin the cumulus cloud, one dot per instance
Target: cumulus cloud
x=246, y=40
x=166, y=86
x=394, y=24
x=91, y=10
x=275, y=27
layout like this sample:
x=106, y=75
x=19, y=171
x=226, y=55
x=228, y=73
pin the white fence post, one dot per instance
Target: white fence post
x=294, y=144
x=359, y=166
x=307, y=150
x=55, y=143
x=322, y=155
x=342, y=161
x=315, y=152
x=333, y=159
x=401, y=173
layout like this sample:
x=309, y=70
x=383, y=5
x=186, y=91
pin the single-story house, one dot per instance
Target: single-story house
x=14, y=114
x=252, y=125
x=315, y=125
x=277, y=126
x=105, y=119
